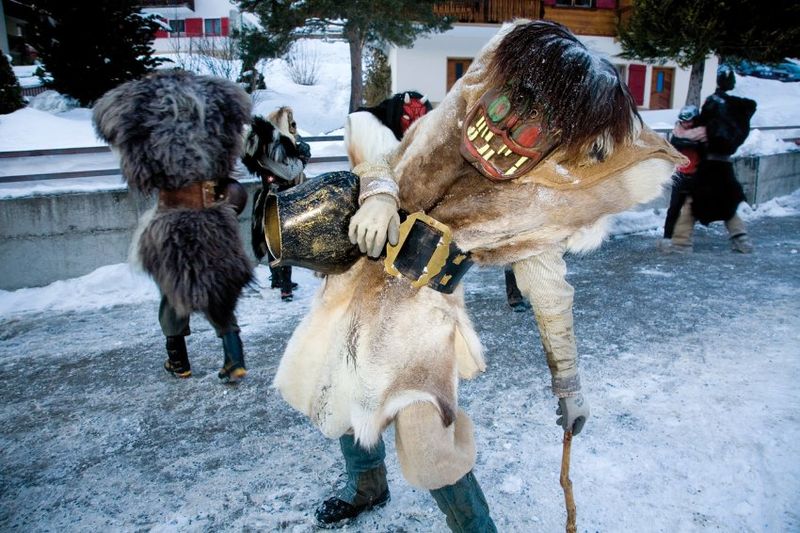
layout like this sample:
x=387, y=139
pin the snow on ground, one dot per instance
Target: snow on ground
x=690, y=364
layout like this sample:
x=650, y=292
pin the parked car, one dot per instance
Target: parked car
x=783, y=71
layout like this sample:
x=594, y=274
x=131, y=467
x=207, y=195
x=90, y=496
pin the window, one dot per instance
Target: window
x=574, y=3
x=177, y=27
x=456, y=67
x=213, y=26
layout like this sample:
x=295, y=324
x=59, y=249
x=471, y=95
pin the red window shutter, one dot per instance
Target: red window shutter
x=225, y=26
x=606, y=4
x=636, y=74
x=161, y=34
x=194, y=27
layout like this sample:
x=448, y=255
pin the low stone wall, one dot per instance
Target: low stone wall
x=60, y=236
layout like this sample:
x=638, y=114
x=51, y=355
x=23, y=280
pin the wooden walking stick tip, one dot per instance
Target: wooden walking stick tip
x=566, y=483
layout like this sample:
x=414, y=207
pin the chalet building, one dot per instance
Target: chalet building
x=436, y=61
x=190, y=19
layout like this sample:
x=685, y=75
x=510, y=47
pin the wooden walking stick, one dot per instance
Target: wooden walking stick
x=566, y=484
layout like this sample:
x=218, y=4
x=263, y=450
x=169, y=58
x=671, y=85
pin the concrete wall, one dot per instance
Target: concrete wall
x=50, y=237
x=59, y=236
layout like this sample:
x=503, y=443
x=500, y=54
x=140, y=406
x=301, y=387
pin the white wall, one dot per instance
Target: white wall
x=424, y=66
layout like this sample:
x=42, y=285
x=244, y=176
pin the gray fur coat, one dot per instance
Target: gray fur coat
x=173, y=128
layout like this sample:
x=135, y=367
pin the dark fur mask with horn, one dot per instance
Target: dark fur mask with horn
x=175, y=130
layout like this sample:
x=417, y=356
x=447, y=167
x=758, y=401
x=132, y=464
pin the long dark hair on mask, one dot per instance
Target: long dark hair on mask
x=582, y=100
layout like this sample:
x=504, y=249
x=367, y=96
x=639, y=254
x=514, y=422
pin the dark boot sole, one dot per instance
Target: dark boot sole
x=377, y=504
x=234, y=376
x=180, y=374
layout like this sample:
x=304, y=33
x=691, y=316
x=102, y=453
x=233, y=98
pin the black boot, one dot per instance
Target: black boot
x=178, y=362
x=233, y=370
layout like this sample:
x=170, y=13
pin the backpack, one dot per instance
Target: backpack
x=727, y=120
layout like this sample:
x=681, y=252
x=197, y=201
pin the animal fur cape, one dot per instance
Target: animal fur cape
x=372, y=345
x=173, y=128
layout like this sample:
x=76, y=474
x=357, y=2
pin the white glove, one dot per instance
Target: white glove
x=574, y=412
x=376, y=219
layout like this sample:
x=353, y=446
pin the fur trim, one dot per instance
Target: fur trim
x=197, y=259
x=366, y=138
x=173, y=127
x=266, y=142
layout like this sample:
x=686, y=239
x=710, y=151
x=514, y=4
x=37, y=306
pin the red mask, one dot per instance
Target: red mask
x=499, y=144
x=412, y=111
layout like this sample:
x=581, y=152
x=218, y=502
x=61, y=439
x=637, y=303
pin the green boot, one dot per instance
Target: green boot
x=465, y=506
x=366, y=485
x=233, y=369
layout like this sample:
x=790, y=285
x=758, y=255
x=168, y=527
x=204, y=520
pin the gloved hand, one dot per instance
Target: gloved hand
x=574, y=412
x=376, y=219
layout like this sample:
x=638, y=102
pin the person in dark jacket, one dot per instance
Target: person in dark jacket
x=689, y=138
x=715, y=193
x=275, y=154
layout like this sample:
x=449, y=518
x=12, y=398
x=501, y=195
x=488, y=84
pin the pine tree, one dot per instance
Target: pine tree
x=255, y=45
x=378, y=82
x=687, y=31
x=363, y=21
x=10, y=91
x=88, y=48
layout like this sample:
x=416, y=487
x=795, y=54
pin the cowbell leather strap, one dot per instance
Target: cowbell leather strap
x=427, y=255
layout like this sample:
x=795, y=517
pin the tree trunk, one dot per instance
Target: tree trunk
x=356, y=43
x=696, y=83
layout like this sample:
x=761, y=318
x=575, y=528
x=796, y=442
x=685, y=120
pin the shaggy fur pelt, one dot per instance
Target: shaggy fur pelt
x=197, y=260
x=266, y=142
x=372, y=345
x=170, y=129
x=173, y=127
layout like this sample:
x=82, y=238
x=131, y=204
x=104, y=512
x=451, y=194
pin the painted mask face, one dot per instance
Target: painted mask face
x=499, y=144
x=414, y=109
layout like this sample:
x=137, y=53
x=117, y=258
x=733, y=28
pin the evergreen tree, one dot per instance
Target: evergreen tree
x=255, y=45
x=88, y=48
x=687, y=31
x=10, y=91
x=380, y=21
x=378, y=84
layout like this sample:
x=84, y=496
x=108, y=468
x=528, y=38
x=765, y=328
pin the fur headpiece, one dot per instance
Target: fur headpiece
x=173, y=127
x=580, y=97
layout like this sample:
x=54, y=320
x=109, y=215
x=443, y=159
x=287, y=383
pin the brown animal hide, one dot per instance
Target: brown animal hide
x=372, y=345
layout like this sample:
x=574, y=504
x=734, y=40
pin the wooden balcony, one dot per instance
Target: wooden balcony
x=166, y=3
x=490, y=11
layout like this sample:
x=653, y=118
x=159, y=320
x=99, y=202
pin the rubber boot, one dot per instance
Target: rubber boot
x=366, y=486
x=464, y=506
x=177, y=363
x=233, y=369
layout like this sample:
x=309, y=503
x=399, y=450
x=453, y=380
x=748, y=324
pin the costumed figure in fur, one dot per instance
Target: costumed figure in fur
x=528, y=156
x=275, y=154
x=179, y=134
